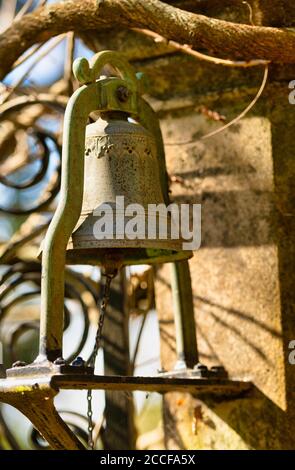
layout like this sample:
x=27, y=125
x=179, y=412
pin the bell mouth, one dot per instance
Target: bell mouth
x=118, y=248
x=117, y=257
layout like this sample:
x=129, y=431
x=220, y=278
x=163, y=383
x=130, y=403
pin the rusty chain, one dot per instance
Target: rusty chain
x=97, y=344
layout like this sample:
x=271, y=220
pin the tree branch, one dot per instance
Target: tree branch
x=220, y=37
x=198, y=55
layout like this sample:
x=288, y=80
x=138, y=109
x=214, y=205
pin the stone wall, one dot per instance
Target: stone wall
x=243, y=274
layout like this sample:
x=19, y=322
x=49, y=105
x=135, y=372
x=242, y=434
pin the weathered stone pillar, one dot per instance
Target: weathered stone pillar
x=243, y=275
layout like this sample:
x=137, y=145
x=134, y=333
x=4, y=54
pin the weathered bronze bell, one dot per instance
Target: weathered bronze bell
x=121, y=164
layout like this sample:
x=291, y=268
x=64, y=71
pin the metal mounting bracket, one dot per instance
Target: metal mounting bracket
x=34, y=396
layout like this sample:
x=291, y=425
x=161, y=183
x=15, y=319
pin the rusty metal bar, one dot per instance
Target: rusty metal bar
x=196, y=386
x=21, y=391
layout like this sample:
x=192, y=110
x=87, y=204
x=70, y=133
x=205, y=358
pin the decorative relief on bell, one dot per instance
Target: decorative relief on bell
x=98, y=146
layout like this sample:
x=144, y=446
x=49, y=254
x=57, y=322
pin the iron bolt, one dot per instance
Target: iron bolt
x=78, y=362
x=200, y=370
x=19, y=364
x=200, y=367
x=218, y=371
x=123, y=94
x=60, y=361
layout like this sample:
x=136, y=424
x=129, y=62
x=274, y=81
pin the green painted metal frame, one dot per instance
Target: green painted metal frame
x=184, y=318
x=91, y=96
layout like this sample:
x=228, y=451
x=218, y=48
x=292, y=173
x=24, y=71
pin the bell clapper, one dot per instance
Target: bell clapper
x=109, y=273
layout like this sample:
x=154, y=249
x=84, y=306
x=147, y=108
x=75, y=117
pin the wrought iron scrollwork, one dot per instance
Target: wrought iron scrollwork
x=21, y=282
x=50, y=190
